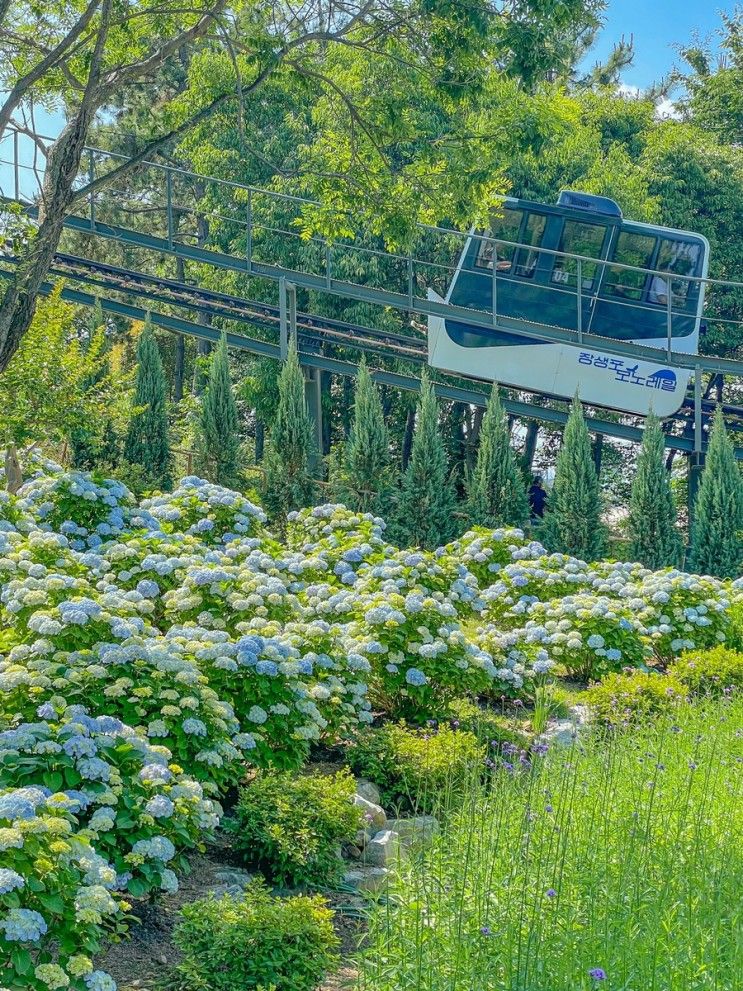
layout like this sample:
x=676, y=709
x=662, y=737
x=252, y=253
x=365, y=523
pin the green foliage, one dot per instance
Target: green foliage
x=288, y=482
x=418, y=769
x=563, y=871
x=654, y=537
x=425, y=513
x=573, y=519
x=634, y=696
x=717, y=535
x=714, y=671
x=291, y=826
x=218, y=437
x=363, y=478
x=490, y=727
x=254, y=943
x=55, y=382
x=496, y=493
x=147, y=441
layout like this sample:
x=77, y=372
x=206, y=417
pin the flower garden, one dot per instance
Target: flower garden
x=159, y=659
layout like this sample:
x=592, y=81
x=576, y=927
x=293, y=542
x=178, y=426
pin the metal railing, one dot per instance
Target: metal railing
x=260, y=220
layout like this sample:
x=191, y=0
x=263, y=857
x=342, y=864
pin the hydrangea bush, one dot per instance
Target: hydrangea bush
x=484, y=552
x=150, y=655
x=82, y=506
x=210, y=512
x=58, y=895
x=588, y=635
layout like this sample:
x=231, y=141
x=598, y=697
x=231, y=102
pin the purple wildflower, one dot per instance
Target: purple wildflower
x=597, y=973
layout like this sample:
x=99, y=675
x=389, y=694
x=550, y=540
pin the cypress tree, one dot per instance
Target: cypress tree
x=573, y=518
x=218, y=442
x=362, y=478
x=288, y=482
x=717, y=533
x=496, y=493
x=654, y=537
x=147, y=442
x=425, y=515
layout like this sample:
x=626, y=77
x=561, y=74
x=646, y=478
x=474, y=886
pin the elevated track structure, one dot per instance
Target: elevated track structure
x=176, y=204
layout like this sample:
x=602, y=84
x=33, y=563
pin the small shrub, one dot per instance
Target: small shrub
x=418, y=769
x=633, y=696
x=254, y=942
x=487, y=725
x=714, y=671
x=291, y=827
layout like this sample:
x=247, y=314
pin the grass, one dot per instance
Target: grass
x=621, y=858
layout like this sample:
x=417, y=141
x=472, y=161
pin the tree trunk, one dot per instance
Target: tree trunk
x=598, y=450
x=19, y=302
x=530, y=445
x=260, y=440
x=407, y=441
x=13, y=473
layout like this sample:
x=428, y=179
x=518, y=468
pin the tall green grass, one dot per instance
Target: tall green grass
x=615, y=864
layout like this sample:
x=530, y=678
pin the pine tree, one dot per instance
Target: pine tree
x=218, y=436
x=654, y=537
x=362, y=477
x=288, y=482
x=496, y=493
x=425, y=513
x=573, y=518
x=147, y=442
x=717, y=534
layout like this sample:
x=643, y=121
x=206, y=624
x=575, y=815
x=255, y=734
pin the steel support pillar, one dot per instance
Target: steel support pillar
x=696, y=458
x=287, y=316
x=313, y=396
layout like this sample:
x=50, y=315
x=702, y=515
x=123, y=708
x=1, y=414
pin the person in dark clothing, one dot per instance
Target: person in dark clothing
x=537, y=497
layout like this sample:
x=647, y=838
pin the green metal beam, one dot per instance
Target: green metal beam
x=401, y=301
x=406, y=383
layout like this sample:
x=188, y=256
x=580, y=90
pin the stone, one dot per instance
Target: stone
x=383, y=849
x=354, y=852
x=234, y=876
x=369, y=791
x=561, y=733
x=419, y=829
x=368, y=880
x=373, y=814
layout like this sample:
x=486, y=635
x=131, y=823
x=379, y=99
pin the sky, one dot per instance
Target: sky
x=656, y=26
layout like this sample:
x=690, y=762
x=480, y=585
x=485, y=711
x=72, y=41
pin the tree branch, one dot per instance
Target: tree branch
x=165, y=139
x=24, y=84
x=128, y=73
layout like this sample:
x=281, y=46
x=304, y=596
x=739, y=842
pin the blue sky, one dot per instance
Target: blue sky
x=656, y=26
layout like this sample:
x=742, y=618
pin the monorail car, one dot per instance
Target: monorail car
x=638, y=283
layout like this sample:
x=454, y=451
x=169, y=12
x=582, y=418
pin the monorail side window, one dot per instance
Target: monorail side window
x=678, y=258
x=631, y=249
x=533, y=233
x=578, y=239
x=505, y=228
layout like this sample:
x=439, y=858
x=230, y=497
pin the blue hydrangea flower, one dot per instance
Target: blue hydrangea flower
x=23, y=925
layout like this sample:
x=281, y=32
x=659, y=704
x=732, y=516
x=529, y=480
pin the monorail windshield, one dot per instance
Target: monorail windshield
x=578, y=265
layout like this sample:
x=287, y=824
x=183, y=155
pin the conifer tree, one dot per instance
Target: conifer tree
x=362, y=477
x=496, y=493
x=717, y=533
x=573, y=518
x=288, y=482
x=147, y=442
x=218, y=436
x=654, y=537
x=425, y=513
